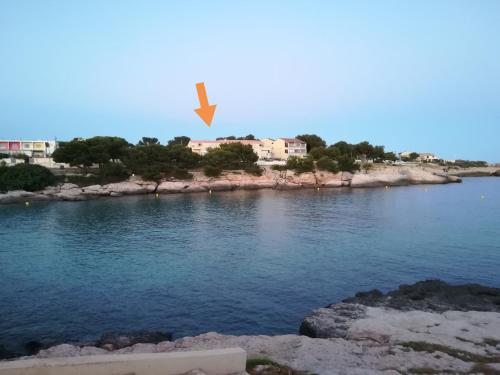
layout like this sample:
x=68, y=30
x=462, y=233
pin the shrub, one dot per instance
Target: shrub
x=318, y=152
x=231, y=156
x=113, y=172
x=367, y=167
x=327, y=164
x=25, y=177
x=255, y=170
x=277, y=167
x=347, y=163
x=212, y=171
x=181, y=174
x=300, y=165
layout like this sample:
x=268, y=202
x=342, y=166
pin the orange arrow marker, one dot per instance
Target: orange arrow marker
x=206, y=111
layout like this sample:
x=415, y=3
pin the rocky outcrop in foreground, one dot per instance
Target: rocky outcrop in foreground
x=433, y=296
x=238, y=180
x=354, y=338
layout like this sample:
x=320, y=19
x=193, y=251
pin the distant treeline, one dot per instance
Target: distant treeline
x=116, y=158
x=112, y=159
x=465, y=163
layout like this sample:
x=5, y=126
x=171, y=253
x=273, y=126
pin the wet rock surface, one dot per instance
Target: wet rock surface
x=332, y=321
x=7, y=354
x=433, y=295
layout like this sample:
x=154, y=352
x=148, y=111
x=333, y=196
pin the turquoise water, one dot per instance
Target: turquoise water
x=237, y=263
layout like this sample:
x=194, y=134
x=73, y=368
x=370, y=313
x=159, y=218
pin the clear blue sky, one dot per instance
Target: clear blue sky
x=412, y=75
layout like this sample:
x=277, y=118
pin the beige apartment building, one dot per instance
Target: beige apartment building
x=266, y=149
x=282, y=148
x=202, y=147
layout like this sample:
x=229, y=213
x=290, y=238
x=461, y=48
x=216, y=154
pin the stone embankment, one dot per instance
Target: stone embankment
x=284, y=180
x=425, y=328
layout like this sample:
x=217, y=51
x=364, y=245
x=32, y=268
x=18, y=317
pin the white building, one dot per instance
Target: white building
x=427, y=157
x=35, y=149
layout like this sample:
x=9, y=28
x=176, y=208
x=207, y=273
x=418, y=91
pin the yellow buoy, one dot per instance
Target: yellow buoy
x=26, y=204
x=210, y=191
x=387, y=187
x=317, y=189
x=157, y=195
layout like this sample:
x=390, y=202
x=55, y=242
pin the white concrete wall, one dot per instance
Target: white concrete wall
x=212, y=362
x=12, y=161
x=48, y=163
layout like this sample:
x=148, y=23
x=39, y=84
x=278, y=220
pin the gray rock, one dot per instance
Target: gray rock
x=63, y=350
x=68, y=186
x=16, y=196
x=119, y=340
x=332, y=321
x=92, y=350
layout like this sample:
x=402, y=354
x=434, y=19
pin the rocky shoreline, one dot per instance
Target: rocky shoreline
x=429, y=327
x=379, y=176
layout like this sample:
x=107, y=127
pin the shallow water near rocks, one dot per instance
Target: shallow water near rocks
x=240, y=262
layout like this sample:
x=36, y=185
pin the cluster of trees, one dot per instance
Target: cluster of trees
x=340, y=156
x=249, y=137
x=25, y=177
x=116, y=159
x=231, y=156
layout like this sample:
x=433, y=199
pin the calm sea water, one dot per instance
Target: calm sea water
x=236, y=263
